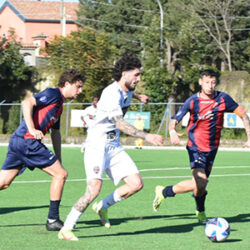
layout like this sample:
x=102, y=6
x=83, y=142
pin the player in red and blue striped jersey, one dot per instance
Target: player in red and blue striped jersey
x=42, y=113
x=206, y=110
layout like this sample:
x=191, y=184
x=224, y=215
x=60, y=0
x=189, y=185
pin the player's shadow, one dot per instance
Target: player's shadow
x=6, y=210
x=183, y=228
x=118, y=221
x=238, y=218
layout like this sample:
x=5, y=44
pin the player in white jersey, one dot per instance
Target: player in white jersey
x=89, y=116
x=103, y=152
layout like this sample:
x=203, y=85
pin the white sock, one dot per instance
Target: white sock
x=111, y=200
x=72, y=219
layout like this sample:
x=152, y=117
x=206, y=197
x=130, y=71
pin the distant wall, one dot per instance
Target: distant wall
x=236, y=84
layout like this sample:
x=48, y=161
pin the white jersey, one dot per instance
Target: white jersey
x=89, y=115
x=113, y=102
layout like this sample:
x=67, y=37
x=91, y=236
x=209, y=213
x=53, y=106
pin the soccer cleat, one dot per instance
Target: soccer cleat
x=102, y=213
x=67, y=234
x=158, y=197
x=202, y=218
x=54, y=226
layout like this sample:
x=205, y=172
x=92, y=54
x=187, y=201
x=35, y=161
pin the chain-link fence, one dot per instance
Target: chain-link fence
x=160, y=113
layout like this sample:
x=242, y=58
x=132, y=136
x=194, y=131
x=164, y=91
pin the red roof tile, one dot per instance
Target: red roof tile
x=44, y=10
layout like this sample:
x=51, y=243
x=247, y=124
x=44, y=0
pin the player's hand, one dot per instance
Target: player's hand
x=143, y=98
x=38, y=134
x=154, y=139
x=175, y=138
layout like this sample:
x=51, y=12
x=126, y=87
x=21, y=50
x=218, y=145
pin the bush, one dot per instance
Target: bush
x=14, y=119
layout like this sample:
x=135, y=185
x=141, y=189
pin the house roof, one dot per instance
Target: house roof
x=41, y=11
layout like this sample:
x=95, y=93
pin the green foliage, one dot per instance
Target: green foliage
x=121, y=19
x=14, y=119
x=88, y=51
x=15, y=77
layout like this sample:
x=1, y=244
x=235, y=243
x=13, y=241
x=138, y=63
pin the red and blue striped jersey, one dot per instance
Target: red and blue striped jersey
x=206, y=119
x=46, y=113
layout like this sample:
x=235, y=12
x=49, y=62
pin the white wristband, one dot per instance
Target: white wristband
x=172, y=131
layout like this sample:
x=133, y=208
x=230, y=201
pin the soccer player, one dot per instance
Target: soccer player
x=103, y=151
x=42, y=112
x=139, y=124
x=89, y=114
x=204, y=131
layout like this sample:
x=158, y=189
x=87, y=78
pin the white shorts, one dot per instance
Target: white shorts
x=109, y=157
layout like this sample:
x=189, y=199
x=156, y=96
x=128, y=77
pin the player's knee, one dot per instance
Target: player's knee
x=137, y=186
x=201, y=186
x=4, y=186
x=62, y=175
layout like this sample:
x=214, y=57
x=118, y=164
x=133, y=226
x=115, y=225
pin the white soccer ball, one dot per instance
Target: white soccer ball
x=217, y=229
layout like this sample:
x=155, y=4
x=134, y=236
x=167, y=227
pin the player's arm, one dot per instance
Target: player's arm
x=27, y=106
x=127, y=128
x=243, y=115
x=246, y=123
x=174, y=136
x=141, y=97
x=56, y=142
x=83, y=120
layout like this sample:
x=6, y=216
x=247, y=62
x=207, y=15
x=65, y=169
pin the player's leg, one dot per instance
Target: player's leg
x=12, y=164
x=161, y=192
x=92, y=190
x=7, y=176
x=200, y=193
x=59, y=176
x=121, y=167
x=94, y=160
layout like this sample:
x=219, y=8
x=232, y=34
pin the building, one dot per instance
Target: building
x=36, y=23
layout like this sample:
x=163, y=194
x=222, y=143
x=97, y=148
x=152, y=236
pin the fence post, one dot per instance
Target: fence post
x=21, y=114
x=1, y=104
x=162, y=120
x=67, y=118
x=141, y=107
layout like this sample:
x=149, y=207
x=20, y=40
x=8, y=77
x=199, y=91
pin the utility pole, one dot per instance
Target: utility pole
x=161, y=29
x=63, y=19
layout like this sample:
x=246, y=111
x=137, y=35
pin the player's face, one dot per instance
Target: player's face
x=208, y=84
x=132, y=77
x=95, y=101
x=74, y=89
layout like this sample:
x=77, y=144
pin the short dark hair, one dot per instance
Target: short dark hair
x=209, y=72
x=71, y=76
x=126, y=63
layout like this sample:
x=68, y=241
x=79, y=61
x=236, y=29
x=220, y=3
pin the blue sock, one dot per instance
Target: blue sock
x=200, y=202
x=168, y=192
x=54, y=210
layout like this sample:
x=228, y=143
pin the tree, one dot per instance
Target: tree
x=90, y=52
x=122, y=20
x=15, y=77
x=218, y=17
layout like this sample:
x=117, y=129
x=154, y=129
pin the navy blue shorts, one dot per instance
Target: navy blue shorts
x=29, y=153
x=200, y=159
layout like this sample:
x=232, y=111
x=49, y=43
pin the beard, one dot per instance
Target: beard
x=129, y=87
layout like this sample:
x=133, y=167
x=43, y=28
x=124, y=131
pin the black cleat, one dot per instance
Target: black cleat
x=54, y=226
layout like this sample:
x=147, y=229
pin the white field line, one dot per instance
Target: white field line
x=154, y=177
x=188, y=168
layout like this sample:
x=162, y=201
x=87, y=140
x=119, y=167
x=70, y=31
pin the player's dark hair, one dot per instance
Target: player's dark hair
x=95, y=97
x=126, y=63
x=71, y=76
x=209, y=72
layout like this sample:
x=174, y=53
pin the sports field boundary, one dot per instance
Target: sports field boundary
x=71, y=145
